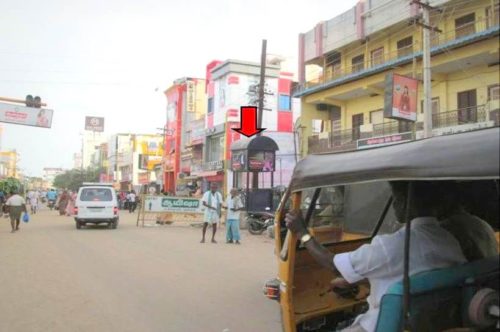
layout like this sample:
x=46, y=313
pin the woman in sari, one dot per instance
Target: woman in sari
x=63, y=203
x=71, y=203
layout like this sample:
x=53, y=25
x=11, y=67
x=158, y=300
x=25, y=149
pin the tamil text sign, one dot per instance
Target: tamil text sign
x=28, y=116
x=171, y=204
x=401, y=94
x=94, y=123
x=384, y=140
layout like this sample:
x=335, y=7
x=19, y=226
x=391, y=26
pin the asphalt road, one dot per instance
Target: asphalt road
x=54, y=277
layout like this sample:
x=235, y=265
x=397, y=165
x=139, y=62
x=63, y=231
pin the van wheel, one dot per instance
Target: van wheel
x=78, y=225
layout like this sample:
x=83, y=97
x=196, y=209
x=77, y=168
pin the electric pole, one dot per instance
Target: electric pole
x=426, y=63
x=262, y=83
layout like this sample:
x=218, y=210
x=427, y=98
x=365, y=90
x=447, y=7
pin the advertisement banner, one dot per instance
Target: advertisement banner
x=384, y=140
x=238, y=161
x=27, y=116
x=261, y=161
x=171, y=204
x=401, y=95
x=147, y=162
x=94, y=123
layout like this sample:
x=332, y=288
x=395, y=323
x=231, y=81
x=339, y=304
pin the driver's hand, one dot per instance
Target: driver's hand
x=340, y=283
x=295, y=223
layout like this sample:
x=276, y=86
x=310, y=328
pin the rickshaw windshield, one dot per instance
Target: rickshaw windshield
x=349, y=212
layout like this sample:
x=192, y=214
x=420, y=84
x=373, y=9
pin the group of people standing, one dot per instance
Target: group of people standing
x=213, y=203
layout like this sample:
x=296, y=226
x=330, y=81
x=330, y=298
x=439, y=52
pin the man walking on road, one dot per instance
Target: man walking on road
x=233, y=206
x=16, y=205
x=132, y=201
x=212, y=201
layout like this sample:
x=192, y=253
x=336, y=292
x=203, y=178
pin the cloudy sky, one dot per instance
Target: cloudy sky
x=113, y=58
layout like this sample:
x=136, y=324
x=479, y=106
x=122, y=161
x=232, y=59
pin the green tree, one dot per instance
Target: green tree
x=74, y=178
x=9, y=184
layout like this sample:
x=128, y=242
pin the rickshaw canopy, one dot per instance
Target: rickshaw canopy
x=465, y=156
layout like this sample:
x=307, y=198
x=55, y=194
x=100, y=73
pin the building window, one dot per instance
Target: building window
x=284, y=103
x=377, y=56
x=467, y=102
x=333, y=65
x=494, y=92
x=405, y=46
x=376, y=116
x=317, y=126
x=434, y=103
x=358, y=63
x=492, y=18
x=210, y=107
x=465, y=25
x=357, y=122
x=215, y=146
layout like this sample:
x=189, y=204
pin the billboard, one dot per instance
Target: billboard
x=238, y=161
x=261, y=161
x=27, y=116
x=171, y=204
x=147, y=162
x=401, y=94
x=94, y=123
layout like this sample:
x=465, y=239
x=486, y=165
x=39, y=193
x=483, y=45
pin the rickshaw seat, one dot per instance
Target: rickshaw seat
x=439, y=298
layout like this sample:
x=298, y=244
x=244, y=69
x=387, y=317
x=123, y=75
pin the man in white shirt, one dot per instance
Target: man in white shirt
x=381, y=261
x=132, y=201
x=212, y=201
x=16, y=205
x=233, y=206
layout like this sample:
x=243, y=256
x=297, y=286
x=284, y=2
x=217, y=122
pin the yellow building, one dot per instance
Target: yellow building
x=343, y=65
x=8, y=164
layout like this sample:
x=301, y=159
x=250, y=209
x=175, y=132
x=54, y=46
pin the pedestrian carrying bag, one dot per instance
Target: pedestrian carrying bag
x=26, y=217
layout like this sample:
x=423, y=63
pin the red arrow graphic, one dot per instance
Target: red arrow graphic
x=248, y=124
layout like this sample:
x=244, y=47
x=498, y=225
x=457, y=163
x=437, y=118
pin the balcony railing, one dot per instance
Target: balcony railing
x=347, y=139
x=454, y=33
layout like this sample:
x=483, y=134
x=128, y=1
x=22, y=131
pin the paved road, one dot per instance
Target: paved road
x=56, y=278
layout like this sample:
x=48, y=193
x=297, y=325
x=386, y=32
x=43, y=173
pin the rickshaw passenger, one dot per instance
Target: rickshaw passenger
x=475, y=236
x=381, y=262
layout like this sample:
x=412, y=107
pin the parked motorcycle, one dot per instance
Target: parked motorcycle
x=258, y=222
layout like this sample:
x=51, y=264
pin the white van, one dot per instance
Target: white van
x=96, y=204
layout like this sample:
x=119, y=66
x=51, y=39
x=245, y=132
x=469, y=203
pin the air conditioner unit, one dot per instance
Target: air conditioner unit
x=322, y=107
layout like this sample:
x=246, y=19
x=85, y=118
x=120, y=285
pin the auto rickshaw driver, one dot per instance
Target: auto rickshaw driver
x=381, y=261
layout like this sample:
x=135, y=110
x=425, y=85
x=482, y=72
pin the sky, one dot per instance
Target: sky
x=115, y=58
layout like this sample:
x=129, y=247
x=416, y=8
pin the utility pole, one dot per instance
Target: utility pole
x=426, y=63
x=262, y=83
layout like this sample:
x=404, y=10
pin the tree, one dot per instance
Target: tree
x=9, y=184
x=74, y=178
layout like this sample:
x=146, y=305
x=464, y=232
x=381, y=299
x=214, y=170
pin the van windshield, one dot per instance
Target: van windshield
x=96, y=195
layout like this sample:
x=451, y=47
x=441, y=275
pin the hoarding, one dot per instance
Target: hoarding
x=94, y=123
x=384, y=140
x=27, y=116
x=147, y=162
x=171, y=204
x=238, y=161
x=401, y=94
x=261, y=161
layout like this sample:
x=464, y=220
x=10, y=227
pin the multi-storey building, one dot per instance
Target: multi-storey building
x=230, y=85
x=186, y=107
x=343, y=63
x=132, y=159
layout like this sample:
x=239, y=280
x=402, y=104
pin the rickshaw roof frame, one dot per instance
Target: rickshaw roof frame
x=259, y=143
x=464, y=156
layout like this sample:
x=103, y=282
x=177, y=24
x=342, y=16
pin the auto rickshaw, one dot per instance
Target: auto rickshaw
x=345, y=200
